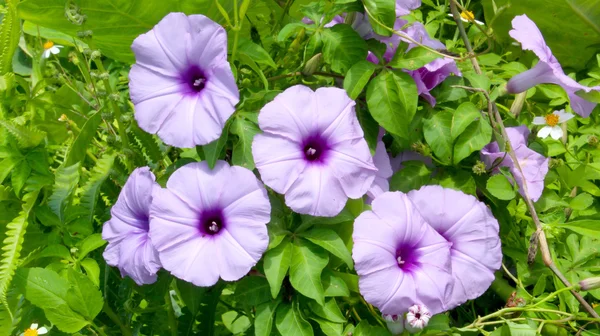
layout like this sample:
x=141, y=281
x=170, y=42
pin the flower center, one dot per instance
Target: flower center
x=315, y=148
x=407, y=258
x=30, y=332
x=418, y=315
x=211, y=222
x=467, y=15
x=47, y=45
x=195, y=79
x=551, y=119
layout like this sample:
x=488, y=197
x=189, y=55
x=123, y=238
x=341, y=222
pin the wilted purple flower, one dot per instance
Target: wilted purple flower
x=181, y=84
x=534, y=165
x=129, y=247
x=547, y=70
x=590, y=283
x=473, y=231
x=381, y=182
x=403, y=7
x=394, y=323
x=417, y=318
x=210, y=223
x=313, y=150
x=400, y=259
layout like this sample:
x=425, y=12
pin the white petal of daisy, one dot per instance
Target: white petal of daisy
x=563, y=116
x=46, y=53
x=33, y=326
x=42, y=331
x=544, y=132
x=539, y=121
x=55, y=49
x=556, y=132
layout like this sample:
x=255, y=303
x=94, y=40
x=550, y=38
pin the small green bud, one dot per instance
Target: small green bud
x=104, y=75
x=479, y=168
x=108, y=116
x=555, y=163
x=593, y=140
x=73, y=58
x=84, y=34
x=111, y=140
x=95, y=54
x=590, y=283
x=114, y=97
x=125, y=118
x=421, y=148
x=312, y=65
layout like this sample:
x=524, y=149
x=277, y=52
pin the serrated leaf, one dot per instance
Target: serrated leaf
x=76, y=152
x=392, y=100
x=147, y=143
x=342, y=47
x=66, y=179
x=308, y=261
x=91, y=189
x=92, y=270
x=331, y=241
x=290, y=321
x=276, y=263
x=27, y=137
x=10, y=32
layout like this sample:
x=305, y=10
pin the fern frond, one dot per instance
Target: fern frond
x=12, y=245
x=26, y=136
x=66, y=179
x=10, y=32
x=91, y=189
x=147, y=143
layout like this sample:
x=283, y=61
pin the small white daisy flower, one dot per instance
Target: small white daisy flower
x=551, y=122
x=34, y=331
x=51, y=48
x=468, y=16
x=395, y=323
x=417, y=318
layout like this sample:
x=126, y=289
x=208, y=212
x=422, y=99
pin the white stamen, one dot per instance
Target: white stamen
x=199, y=81
x=311, y=151
x=400, y=261
x=214, y=227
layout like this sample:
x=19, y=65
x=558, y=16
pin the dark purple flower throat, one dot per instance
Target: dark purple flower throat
x=194, y=78
x=211, y=222
x=315, y=148
x=407, y=258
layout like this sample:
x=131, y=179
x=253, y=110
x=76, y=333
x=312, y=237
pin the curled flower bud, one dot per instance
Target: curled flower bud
x=312, y=65
x=590, y=283
x=73, y=13
x=395, y=323
x=555, y=163
x=417, y=318
x=593, y=140
x=63, y=117
x=73, y=58
x=103, y=75
x=479, y=168
x=421, y=148
x=84, y=33
x=95, y=54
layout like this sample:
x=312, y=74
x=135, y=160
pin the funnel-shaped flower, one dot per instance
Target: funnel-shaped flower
x=547, y=70
x=129, y=247
x=313, y=150
x=533, y=165
x=473, y=231
x=403, y=7
x=210, y=223
x=417, y=318
x=181, y=84
x=400, y=259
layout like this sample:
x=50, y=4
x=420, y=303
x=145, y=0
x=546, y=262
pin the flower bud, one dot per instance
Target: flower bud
x=479, y=168
x=590, y=283
x=95, y=54
x=417, y=318
x=84, y=33
x=395, y=323
x=312, y=65
x=593, y=140
x=114, y=97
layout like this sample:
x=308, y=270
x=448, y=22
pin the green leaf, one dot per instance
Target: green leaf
x=19, y=176
x=383, y=11
x=515, y=329
x=329, y=311
x=7, y=165
x=146, y=142
x=437, y=134
x=357, y=78
x=585, y=227
x=76, y=152
x=276, y=264
x=392, y=100
x=91, y=189
x=365, y=329
x=329, y=328
x=66, y=179
x=10, y=32
x=263, y=321
x=235, y=322
x=290, y=321
x=89, y=244
x=27, y=137
x=334, y=286
x=13, y=244
x=480, y=81
x=308, y=261
x=474, y=138
x=114, y=23
x=245, y=129
x=369, y=126
x=255, y=52
x=252, y=291
x=343, y=47
x=213, y=150
x=83, y=296
x=92, y=270
x=46, y=289
x=592, y=96
x=582, y=201
x=414, y=175
x=331, y=241
x=499, y=186
x=414, y=59
x=465, y=114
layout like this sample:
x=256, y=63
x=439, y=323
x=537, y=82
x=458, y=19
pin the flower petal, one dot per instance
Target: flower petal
x=42, y=331
x=138, y=259
x=208, y=45
x=336, y=118
x=544, y=132
x=316, y=192
x=352, y=164
x=539, y=121
x=563, y=116
x=279, y=161
x=381, y=159
x=556, y=132
x=235, y=260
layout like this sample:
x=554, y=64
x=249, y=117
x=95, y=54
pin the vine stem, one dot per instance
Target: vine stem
x=539, y=237
x=236, y=29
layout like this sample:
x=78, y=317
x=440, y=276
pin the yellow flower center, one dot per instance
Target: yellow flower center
x=551, y=119
x=48, y=45
x=31, y=332
x=467, y=15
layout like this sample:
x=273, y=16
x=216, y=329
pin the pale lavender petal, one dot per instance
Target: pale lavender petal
x=316, y=192
x=279, y=160
x=539, y=121
x=403, y=7
x=381, y=160
x=352, y=164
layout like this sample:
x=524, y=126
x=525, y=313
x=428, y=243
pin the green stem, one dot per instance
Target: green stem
x=554, y=294
x=213, y=295
x=501, y=287
x=236, y=30
x=98, y=329
x=171, y=313
x=113, y=316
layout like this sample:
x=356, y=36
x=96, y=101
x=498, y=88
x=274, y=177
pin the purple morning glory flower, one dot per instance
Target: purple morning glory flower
x=403, y=7
x=396, y=161
x=473, y=231
x=534, y=165
x=129, y=247
x=210, y=223
x=181, y=84
x=400, y=260
x=381, y=182
x=547, y=70
x=313, y=150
